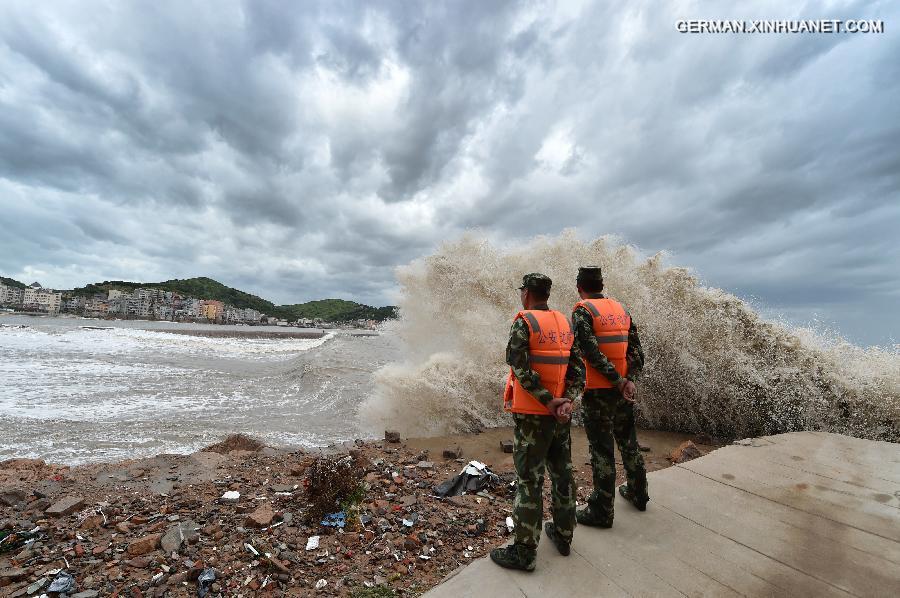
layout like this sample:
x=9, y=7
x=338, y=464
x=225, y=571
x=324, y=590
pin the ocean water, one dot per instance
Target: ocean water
x=71, y=394
x=714, y=365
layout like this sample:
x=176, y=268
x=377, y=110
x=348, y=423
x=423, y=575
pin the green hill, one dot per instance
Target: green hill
x=12, y=283
x=338, y=310
x=201, y=288
x=332, y=310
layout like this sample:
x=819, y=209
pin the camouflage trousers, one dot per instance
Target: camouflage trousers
x=609, y=418
x=540, y=441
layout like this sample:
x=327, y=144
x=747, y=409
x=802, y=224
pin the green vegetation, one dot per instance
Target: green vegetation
x=338, y=310
x=374, y=592
x=331, y=310
x=12, y=283
x=201, y=288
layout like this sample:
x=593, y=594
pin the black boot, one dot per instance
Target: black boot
x=639, y=503
x=515, y=556
x=587, y=517
x=563, y=546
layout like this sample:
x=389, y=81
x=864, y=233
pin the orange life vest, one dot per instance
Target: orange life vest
x=611, y=325
x=549, y=347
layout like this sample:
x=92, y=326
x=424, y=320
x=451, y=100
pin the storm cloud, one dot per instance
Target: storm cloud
x=303, y=150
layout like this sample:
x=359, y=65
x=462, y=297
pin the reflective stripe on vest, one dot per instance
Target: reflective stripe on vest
x=549, y=346
x=611, y=326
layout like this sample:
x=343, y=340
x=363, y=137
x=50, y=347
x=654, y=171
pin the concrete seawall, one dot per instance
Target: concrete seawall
x=801, y=514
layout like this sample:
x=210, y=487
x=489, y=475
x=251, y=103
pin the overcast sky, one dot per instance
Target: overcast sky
x=300, y=150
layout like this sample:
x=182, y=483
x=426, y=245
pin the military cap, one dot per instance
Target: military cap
x=536, y=282
x=590, y=273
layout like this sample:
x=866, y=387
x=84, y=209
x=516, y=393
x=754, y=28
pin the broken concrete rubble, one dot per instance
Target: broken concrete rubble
x=134, y=536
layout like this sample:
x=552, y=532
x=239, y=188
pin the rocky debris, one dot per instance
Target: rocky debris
x=685, y=451
x=453, y=453
x=65, y=506
x=391, y=436
x=131, y=537
x=12, y=574
x=261, y=517
x=11, y=497
x=235, y=442
x=506, y=446
x=144, y=544
x=178, y=534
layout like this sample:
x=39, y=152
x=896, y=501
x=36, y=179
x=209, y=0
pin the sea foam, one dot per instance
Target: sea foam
x=713, y=365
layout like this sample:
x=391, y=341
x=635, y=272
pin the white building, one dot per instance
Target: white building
x=10, y=295
x=47, y=300
x=29, y=296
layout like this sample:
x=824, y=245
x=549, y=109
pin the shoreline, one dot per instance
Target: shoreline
x=247, y=334
x=104, y=522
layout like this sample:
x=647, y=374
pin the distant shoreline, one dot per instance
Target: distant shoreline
x=306, y=334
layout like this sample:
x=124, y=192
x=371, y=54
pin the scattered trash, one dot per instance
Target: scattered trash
x=474, y=477
x=63, y=583
x=231, y=496
x=338, y=519
x=251, y=549
x=11, y=540
x=321, y=584
x=312, y=543
x=36, y=586
x=510, y=524
x=206, y=579
x=453, y=453
x=408, y=523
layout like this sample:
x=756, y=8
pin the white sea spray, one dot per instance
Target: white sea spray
x=713, y=364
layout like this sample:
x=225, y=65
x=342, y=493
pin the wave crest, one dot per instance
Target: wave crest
x=713, y=364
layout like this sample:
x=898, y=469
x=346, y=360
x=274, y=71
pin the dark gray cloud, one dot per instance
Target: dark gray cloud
x=302, y=151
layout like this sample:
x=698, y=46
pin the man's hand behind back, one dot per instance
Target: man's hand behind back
x=628, y=389
x=561, y=409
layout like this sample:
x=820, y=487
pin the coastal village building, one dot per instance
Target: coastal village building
x=11, y=296
x=96, y=306
x=35, y=297
x=212, y=310
x=146, y=303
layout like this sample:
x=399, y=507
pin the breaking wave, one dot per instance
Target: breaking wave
x=713, y=364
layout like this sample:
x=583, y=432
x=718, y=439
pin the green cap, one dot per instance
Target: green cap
x=536, y=282
x=590, y=273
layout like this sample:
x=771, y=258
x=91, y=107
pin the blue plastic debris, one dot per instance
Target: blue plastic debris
x=63, y=583
x=338, y=519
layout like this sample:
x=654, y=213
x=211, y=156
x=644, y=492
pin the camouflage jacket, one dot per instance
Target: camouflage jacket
x=583, y=327
x=518, y=358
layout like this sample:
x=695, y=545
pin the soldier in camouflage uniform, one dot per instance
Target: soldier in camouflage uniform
x=540, y=441
x=609, y=413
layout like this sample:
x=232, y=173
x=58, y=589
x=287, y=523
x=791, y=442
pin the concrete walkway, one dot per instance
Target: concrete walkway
x=801, y=514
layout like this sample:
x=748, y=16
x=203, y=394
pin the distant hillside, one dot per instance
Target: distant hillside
x=333, y=310
x=12, y=283
x=338, y=310
x=201, y=288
